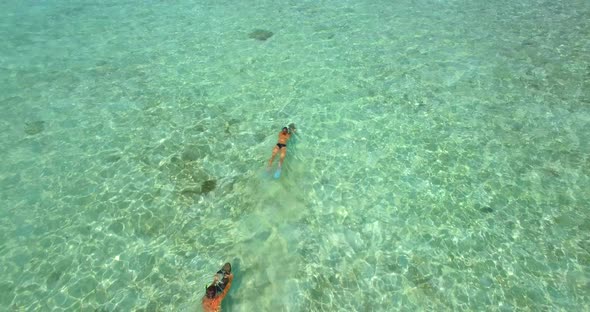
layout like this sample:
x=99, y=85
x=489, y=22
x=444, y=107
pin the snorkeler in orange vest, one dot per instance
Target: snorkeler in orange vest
x=218, y=289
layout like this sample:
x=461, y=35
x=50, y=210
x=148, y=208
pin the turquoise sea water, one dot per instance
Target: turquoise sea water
x=442, y=162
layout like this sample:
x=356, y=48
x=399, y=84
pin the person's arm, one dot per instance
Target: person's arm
x=226, y=289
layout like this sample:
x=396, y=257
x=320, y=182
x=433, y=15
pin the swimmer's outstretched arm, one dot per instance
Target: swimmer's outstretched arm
x=226, y=289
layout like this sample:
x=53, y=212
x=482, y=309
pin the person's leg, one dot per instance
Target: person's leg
x=272, y=157
x=283, y=154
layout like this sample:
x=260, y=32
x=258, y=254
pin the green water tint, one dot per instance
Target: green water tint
x=441, y=165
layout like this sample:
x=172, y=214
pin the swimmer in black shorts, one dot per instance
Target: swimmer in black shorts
x=284, y=136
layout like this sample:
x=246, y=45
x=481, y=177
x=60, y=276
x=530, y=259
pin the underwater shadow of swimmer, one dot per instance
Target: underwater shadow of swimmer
x=226, y=305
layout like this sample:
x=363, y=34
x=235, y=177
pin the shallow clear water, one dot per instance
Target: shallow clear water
x=442, y=161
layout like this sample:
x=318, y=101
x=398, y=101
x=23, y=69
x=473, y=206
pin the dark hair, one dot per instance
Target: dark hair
x=285, y=128
x=228, y=266
x=210, y=292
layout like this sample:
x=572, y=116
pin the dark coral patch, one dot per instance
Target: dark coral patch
x=260, y=34
x=34, y=127
x=487, y=210
x=208, y=186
